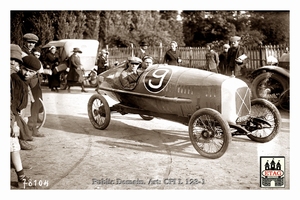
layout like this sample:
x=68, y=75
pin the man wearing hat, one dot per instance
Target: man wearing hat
x=237, y=56
x=19, y=97
x=30, y=68
x=130, y=75
x=76, y=73
x=140, y=53
x=18, y=102
x=30, y=40
x=102, y=62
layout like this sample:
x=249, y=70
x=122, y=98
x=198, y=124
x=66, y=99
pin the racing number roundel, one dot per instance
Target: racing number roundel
x=157, y=79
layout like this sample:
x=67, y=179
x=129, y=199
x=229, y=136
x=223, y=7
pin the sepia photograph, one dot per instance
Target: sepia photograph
x=150, y=100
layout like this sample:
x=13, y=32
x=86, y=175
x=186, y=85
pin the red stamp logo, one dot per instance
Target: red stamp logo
x=272, y=171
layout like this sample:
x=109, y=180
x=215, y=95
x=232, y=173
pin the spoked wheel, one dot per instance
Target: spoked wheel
x=209, y=133
x=269, y=86
x=147, y=117
x=285, y=100
x=41, y=116
x=264, y=122
x=98, y=111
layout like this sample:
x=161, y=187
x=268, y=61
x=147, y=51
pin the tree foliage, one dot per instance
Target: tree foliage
x=122, y=28
x=255, y=28
x=274, y=25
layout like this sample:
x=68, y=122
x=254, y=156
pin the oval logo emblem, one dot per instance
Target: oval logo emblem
x=157, y=79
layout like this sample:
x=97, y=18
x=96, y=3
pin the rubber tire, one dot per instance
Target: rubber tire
x=106, y=109
x=280, y=79
x=277, y=116
x=225, y=128
x=285, y=100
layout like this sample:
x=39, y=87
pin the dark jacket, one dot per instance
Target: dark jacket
x=102, y=65
x=234, y=53
x=171, y=57
x=19, y=93
x=223, y=63
x=51, y=60
x=26, y=50
x=75, y=74
x=19, y=100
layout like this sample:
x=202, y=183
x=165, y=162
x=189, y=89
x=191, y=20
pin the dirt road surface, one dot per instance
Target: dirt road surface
x=134, y=154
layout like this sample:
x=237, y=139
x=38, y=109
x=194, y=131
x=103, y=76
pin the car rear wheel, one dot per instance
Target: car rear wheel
x=98, y=111
x=269, y=86
x=285, y=100
x=209, y=133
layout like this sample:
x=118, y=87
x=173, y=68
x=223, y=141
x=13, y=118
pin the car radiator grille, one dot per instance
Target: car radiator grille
x=243, y=101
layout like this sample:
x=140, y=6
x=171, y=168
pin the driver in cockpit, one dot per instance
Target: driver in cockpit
x=147, y=62
x=130, y=75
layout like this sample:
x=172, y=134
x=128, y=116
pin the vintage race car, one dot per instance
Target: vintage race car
x=215, y=107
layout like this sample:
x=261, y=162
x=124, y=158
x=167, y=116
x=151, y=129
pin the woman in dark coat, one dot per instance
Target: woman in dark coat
x=173, y=56
x=75, y=74
x=51, y=61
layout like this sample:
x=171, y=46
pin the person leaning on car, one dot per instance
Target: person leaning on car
x=130, y=75
x=236, y=52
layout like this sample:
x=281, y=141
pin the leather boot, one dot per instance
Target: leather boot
x=82, y=88
x=35, y=132
x=25, y=145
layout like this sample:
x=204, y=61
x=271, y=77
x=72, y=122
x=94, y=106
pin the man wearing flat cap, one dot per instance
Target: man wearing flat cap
x=102, y=62
x=30, y=68
x=18, y=102
x=236, y=57
x=130, y=75
x=30, y=40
